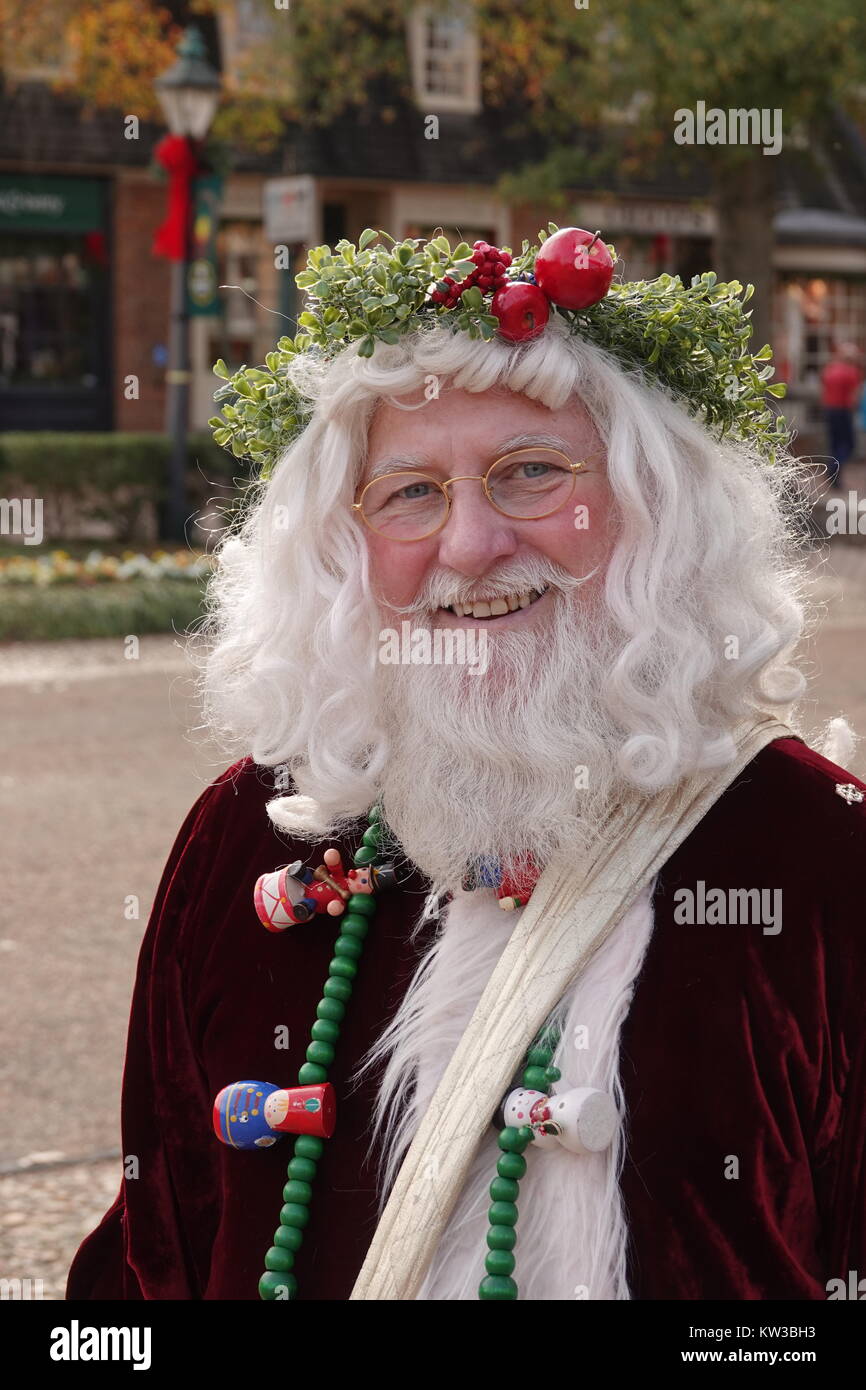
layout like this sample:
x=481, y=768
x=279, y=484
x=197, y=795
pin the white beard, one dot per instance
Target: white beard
x=485, y=763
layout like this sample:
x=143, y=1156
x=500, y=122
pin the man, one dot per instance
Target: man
x=841, y=384
x=614, y=774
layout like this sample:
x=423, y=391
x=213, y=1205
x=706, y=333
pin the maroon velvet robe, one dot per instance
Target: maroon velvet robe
x=738, y=1043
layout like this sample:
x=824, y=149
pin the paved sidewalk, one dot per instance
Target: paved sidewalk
x=45, y=1215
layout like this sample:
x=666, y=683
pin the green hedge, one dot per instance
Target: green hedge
x=30, y=612
x=110, y=476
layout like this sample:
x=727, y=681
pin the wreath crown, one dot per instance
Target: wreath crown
x=691, y=340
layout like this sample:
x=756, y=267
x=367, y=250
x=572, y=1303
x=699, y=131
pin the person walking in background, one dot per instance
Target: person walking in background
x=841, y=383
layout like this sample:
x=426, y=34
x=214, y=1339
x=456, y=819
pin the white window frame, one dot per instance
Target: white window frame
x=466, y=58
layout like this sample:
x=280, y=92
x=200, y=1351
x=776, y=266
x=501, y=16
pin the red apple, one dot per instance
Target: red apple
x=522, y=310
x=574, y=268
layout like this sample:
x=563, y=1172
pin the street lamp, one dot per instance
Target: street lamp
x=188, y=93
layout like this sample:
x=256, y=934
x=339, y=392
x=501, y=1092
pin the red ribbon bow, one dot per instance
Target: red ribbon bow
x=178, y=157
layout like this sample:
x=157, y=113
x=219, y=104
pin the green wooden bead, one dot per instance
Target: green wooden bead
x=348, y=946
x=501, y=1238
x=501, y=1214
x=320, y=1052
x=311, y=1074
x=538, y=1057
x=292, y=1237
x=293, y=1214
x=374, y=813
x=341, y=965
x=353, y=924
x=337, y=989
x=282, y=1260
x=362, y=903
x=334, y=1010
x=497, y=1262
x=302, y=1169
x=370, y=837
x=513, y=1140
x=511, y=1166
x=551, y=1074
x=534, y=1079
x=497, y=1286
x=273, y=1286
x=309, y=1146
x=504, y=1190
x=364, y=856
x=300, y=1192
x=323, y=1030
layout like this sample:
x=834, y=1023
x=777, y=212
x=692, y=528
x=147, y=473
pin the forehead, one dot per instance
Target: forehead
x=474, y=427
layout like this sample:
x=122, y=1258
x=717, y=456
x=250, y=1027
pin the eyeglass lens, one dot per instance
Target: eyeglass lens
x=527, y=484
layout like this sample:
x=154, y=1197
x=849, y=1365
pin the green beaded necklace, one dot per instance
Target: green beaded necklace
x=538, y=1075
x=278, y=1281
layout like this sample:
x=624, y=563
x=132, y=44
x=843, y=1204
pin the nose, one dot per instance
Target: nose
x=475, y=535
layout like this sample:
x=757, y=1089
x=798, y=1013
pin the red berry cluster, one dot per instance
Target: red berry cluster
x=489, y=274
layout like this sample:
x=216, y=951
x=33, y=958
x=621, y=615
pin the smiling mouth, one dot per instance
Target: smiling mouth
x=496, y=607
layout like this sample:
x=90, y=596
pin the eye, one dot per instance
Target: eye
x=412, y=491
x=535, y=469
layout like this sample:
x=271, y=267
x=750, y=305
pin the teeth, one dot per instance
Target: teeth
x=494, y=608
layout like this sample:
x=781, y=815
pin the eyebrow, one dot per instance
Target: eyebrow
x=400, y=462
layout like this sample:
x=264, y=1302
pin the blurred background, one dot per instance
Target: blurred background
x=164, y=169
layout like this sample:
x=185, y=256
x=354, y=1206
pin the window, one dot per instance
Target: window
x=253, y=47
x=445, y=59
x=812, y=316
x=33, y=42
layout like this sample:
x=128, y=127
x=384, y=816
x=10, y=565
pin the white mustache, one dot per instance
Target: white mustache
x=442, y=589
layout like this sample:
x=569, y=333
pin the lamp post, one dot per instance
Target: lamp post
x=188, y=93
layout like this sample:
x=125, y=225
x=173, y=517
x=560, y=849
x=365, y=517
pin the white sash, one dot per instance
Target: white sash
x=571, y=912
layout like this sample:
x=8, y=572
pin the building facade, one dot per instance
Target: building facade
x=84, y=302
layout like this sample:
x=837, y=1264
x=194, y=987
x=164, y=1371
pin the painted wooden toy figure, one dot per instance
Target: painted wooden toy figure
x=296, y=893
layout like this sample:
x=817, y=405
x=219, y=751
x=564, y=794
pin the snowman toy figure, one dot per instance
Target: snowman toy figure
x=582, y=1120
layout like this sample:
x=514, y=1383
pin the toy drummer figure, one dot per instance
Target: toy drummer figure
x=295, y=893
x=595, y=472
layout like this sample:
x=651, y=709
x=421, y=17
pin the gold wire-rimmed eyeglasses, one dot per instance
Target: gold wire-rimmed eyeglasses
x=396, y=505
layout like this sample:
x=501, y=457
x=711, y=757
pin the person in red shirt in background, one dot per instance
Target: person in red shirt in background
x=841, y=381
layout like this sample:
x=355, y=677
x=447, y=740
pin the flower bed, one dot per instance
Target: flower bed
x=59, y=567
x=54, y=595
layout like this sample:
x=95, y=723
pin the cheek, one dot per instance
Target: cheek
x=577, y=538
x=398, y=570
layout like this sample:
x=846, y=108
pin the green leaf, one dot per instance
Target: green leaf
x=366, y=237
x=220, y=369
